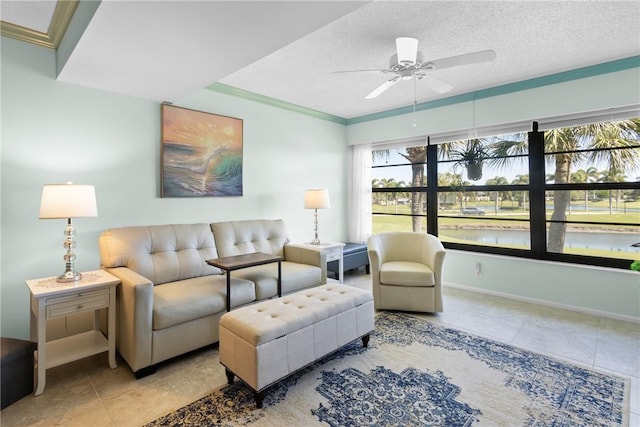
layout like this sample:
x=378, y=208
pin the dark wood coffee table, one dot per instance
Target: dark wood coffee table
x=237, y=262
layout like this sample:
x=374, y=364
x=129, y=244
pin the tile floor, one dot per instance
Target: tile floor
x=88, y=393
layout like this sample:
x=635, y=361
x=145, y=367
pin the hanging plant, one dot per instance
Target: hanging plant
x=471, y=157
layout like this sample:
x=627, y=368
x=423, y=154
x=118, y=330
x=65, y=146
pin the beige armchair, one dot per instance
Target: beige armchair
x=406, y=271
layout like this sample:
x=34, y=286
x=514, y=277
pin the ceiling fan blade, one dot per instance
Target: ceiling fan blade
x=467, y=58
x=384, y=86
x=437, y=85
x=359, y=71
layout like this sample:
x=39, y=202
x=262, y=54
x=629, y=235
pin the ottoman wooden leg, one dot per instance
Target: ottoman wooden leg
x=230, y=376
x=365, y=340
x=259, y=396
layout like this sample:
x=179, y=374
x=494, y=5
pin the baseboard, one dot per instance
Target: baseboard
x=545, y=303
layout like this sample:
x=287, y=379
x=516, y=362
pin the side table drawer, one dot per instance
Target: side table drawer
x=71, y=304
x=334, y=254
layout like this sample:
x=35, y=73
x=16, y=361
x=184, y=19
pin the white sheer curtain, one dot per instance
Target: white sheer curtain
x=359, y=194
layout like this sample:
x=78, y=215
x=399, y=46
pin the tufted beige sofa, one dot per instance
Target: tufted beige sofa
x=170, y=300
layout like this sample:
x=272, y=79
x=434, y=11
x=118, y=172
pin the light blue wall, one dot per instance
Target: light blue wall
x=592, y=93
x=610, y=292
x=55, y=132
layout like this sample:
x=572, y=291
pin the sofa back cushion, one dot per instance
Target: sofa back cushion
x=244, y=237
x=161, y=253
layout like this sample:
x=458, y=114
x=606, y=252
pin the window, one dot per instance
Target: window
x=592, y=194
x=398, y=185
x=568, y=194
x=483, y=192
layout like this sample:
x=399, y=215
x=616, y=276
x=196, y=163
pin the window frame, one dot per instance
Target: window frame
x=537, y=189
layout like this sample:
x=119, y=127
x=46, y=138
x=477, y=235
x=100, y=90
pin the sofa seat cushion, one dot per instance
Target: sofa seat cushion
x=404, y=273
x=185, y=300
x=294, y=277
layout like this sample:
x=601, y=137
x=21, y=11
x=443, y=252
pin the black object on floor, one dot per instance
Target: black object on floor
x=16, y=364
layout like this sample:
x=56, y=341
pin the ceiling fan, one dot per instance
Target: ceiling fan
x=407, y=64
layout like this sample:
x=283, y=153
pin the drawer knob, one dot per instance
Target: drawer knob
x=79, y=306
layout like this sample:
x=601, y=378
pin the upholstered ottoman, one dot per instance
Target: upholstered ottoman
x=354, y=256
x=16, y=370
x=265, y=342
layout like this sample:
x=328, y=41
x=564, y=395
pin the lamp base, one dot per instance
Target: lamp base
x=315, y=241
x=69, y=276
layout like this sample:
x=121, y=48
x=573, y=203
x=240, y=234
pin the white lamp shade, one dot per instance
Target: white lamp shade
x=407, y=48
x=68, y=201
x=316, y=199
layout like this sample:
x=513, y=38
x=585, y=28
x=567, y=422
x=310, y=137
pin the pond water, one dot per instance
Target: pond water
x=590, y=240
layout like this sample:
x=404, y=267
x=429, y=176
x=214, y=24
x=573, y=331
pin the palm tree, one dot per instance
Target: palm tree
x=376, y=183
x=396, y=184
x=498, y=180
x=449, y=179
x=388, y=183
x=417, y=156
x=589, y=175
x=612, y=175
x=520, y=180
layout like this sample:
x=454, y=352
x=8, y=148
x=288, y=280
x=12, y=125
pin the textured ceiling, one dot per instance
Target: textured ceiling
x=531, y=39
x=165, y=50
x=35, y=15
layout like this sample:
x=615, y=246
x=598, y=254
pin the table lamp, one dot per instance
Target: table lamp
x=316, y=199
x=66, y=201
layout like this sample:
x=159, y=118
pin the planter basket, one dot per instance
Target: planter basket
x=474, y=171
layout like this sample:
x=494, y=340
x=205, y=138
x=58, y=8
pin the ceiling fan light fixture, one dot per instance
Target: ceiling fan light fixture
x=406, y=74
x=407, y=48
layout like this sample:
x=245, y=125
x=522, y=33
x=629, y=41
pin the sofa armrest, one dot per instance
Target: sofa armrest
x=135, y=317
x=307, y=256
x=375, y=253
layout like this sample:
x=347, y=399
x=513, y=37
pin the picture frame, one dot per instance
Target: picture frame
x=201, y=153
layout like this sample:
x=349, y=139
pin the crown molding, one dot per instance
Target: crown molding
x=245, y=94
x=51, y=39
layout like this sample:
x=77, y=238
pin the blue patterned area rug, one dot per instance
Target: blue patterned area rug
x=419, y=373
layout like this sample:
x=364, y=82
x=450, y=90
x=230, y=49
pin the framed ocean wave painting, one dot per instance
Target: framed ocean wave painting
x=201, y=154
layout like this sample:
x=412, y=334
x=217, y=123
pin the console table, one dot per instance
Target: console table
x=50, y=299
x=236, y=262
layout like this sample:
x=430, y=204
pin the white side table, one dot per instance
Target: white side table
x=332, y=250
x=50, y=299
